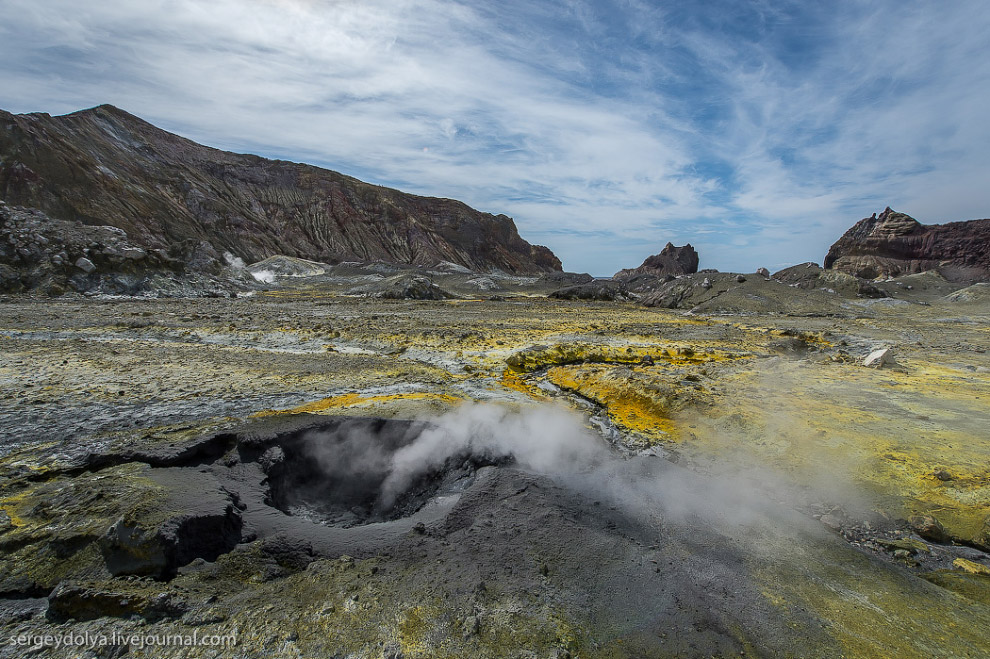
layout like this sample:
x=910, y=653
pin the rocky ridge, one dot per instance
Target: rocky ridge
x=893, y=244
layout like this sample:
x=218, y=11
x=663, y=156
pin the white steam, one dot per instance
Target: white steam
x=264, y=276
x=555, y=442
x=237, y=263
x=545, y=439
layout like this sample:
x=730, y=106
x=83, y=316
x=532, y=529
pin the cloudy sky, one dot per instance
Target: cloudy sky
x=757, y=131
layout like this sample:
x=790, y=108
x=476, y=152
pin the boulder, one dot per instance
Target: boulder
x=879, y=358
x=85, y=265
x=929, y=528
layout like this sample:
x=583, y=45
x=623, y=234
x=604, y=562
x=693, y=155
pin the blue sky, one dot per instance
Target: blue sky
x=757, y=131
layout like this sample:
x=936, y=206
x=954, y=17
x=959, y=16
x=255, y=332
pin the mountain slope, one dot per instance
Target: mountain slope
x=103, y=166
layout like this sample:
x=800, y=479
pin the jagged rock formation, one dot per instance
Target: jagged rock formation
x=104, y=166
x=670, y=261
x=894, y=244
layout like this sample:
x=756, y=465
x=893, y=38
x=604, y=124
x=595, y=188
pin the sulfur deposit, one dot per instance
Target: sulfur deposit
x=330, y=473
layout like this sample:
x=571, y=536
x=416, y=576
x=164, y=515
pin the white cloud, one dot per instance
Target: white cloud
x=563, y=115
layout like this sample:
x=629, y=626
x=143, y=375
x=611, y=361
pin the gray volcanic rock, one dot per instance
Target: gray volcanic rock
x=670, y=261
x=676, y=294
x=205, y=525
x=403, y=287
x=566, y=278
x=810, y=276
x=613, y=290
x=89, y=601
x=45, y=255
x=604, y=290
x=894, y=244
x=104, y=166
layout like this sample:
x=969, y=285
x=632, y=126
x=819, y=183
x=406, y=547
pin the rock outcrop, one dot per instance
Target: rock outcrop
x=403, y=287
x=103, y=166
x=44, y=255
x=810, y=276
x=670, y=261
x=894, y=244
x=603, y=290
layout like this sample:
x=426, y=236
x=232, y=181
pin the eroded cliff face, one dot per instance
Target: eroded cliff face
x=104, y=166
x=894, y=244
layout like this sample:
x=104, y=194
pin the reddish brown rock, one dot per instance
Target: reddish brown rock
x=894, y=244
x=670, y=261
x=104, y=166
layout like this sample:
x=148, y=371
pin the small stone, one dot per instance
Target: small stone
x=929, y=528
x=831, y=521
x=878, y=358
x=740, y=278
x=763, y=272
x=943, y=475
x=85, y=265
x=706, y=284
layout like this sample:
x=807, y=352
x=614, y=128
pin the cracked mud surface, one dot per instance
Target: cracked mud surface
x=760, y=494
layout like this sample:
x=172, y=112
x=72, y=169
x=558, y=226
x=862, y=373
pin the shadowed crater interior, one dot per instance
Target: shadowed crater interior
x=339, y=475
